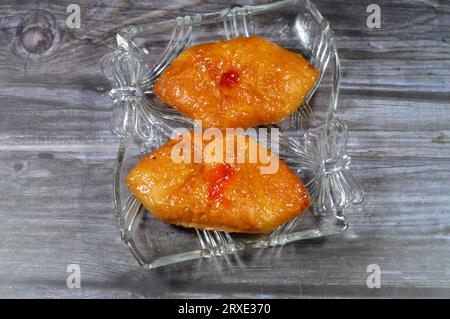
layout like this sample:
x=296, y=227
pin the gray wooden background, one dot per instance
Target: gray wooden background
x=57, y=155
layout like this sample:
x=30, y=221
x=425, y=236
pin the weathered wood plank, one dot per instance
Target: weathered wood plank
x=405, y=202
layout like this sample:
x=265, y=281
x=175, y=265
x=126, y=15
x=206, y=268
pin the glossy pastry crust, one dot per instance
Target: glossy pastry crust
x=242, y=82
x=232, y=196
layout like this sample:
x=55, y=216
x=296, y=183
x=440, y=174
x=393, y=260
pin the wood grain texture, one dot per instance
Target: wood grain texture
x=57, y=155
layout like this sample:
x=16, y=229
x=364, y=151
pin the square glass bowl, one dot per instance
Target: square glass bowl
x=312, y=140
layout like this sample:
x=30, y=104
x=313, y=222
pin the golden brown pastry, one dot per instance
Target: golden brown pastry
x=236, y=196
x=243, y=82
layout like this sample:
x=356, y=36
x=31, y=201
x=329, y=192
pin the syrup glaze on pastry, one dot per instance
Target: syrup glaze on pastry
x=242, y=82
x=231, y=196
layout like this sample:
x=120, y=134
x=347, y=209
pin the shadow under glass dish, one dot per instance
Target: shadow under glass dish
x=312, y=139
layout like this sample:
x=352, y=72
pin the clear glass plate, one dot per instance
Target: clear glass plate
x=312, y=140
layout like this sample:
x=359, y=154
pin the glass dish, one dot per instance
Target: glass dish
x=312, y=140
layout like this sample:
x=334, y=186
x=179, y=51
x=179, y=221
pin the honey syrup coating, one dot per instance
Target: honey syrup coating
x=231, y=196
x=242, y=82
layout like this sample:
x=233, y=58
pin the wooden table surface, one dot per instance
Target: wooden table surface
x=57, y=154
